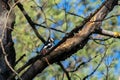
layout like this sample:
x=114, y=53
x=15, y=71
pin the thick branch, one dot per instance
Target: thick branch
x=72, y=43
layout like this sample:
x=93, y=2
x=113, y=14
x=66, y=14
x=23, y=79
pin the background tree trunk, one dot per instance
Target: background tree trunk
x=6, y=47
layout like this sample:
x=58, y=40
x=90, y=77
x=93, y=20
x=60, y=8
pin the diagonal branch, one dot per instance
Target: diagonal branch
x=74, y=41
x=20, y=6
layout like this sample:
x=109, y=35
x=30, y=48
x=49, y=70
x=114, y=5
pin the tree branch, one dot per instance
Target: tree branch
x=20, y=6
x=66, y=72
x=73, y=42
x=108, y=33
x=83, y=63
x=96, y=67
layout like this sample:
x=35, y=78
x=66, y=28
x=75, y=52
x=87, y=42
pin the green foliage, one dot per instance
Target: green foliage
x=27, y=43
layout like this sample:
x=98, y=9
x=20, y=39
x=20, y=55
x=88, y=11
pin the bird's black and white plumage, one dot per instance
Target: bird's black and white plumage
x=47, y=46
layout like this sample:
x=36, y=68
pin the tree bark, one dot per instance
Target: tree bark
x=71, y=43
x=6, y=44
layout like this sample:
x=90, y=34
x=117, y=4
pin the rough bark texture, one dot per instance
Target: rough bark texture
x=72, y=43
x=6, y=47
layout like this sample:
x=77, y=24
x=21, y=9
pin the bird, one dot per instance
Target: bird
x=49, y=44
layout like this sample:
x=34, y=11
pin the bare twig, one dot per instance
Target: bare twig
x=112, y=16
x=50, y=28
x=66, y=72
x=20, y=59
x=75, y=15
x=107, y=72
x=100, y=39
x=65, y=13
x=83, y=63
x=20, y=6
x=56, y=4
x=105, y=44
x=96, y=66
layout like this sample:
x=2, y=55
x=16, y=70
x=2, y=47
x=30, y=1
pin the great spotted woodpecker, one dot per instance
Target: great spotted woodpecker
x=47, y=46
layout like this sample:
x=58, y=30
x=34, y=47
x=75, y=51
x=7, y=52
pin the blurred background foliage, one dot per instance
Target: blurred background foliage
x=57, y=14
